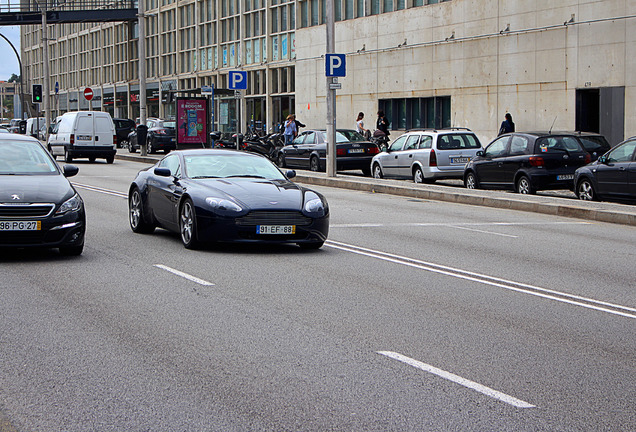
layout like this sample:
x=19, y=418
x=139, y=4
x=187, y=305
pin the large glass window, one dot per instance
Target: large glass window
x=411, y=113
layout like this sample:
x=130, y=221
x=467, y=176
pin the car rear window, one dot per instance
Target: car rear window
x=558, y=144
x=457, y=142
x=596, y=144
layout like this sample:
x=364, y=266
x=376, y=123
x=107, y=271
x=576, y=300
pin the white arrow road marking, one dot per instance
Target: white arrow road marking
x=458, y=380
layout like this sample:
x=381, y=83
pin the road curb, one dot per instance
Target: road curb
x=586, y=210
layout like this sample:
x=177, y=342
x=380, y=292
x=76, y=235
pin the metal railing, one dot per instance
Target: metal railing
x=15, y=6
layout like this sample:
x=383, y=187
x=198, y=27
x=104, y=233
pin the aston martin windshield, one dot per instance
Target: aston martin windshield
x=230, y=165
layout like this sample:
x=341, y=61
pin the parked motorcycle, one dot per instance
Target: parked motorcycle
x=267, y=145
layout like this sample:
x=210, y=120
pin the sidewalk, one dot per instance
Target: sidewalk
x=624, y=214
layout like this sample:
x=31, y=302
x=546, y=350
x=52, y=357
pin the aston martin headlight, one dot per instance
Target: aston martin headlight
x=72, y=204
x=315, y=207
x=223, y=205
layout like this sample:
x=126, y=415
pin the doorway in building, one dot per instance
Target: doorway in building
x=602, y=110
x=256, y=114
x=282, y=106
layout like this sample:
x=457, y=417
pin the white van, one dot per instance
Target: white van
x=89, y=134
x=35, y=125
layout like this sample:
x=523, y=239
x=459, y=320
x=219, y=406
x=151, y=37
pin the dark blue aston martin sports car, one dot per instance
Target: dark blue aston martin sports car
x=226, y=196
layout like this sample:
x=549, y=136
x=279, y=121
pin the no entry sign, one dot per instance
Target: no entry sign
x=88, y=93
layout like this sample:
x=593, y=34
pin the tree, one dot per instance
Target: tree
x=14, y=78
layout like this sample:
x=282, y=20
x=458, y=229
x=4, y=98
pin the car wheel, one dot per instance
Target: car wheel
x=91, y=159
x=72, y=250
x=124, y=144
x=67, y=156
x=471, y=181
x=110, y=159
x=418, y=175
x=585, y=190
x=314, y=164
x=150, y=148
x=136, y=214
x=131, y=147
x=311, y=246
x=188, y=225
x=281, y=160
x=524, y=186
x=51, y=152
x=377, y=171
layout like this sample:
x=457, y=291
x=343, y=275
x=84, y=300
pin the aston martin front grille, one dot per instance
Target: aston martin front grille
x=11, y=210
x=274, y=218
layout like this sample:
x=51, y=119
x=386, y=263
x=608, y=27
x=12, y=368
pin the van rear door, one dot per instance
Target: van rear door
x=104, y=130
x=84, y=130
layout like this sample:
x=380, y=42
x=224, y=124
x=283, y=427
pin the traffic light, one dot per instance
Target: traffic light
x=37, y=93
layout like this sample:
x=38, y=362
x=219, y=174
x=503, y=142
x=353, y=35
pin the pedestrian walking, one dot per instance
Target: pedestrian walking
x=298, y=124
x=290, y=129
x=507, y=125
x=366, y=133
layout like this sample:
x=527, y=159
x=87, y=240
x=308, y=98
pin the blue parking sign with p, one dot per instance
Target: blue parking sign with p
x=238, y=80
x=336, y=65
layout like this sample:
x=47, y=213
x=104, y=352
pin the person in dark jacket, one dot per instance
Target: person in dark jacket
x=507, y=125
x=382, y=124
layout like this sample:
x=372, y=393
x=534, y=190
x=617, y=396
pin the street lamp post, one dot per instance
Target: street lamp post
x=45, y=87
x=141, y=49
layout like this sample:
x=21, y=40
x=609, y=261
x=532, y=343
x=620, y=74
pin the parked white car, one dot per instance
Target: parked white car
x=427, y=155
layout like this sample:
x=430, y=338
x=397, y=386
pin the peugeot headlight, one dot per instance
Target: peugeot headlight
x=72, y=204
x=315, y=207
x=223, y=205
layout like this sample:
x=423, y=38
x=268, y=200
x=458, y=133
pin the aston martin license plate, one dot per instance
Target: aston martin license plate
x=20, y=226
x=276, y=229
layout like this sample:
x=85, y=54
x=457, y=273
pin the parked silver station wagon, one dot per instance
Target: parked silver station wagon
x=427, y=155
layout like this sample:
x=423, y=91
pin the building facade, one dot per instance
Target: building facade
x=561, y=65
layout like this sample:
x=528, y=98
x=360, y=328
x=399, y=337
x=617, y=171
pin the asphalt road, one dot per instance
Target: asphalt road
x=415, y=315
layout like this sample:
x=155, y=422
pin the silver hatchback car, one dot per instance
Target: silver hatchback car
x=427, y=155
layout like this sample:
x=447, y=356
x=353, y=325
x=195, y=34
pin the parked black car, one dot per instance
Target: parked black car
x=217, y=195
x=309, y=150
x=123, y=128
x=613, y=175
x=161, y=136
x=527, y=162
x=38, y=205
x=595, y=144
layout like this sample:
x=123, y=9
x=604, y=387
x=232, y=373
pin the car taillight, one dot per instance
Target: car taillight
x=340, y=152
x=373, y=150
x=537, y=161
x=588, y=158
x=114, y=139
x=432, y=159
x=72, y=140
x=161, y=131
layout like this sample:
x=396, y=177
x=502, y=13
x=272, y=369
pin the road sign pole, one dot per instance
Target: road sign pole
x=331, y=95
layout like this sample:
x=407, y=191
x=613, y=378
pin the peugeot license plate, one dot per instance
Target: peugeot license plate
x=20, y=226
x=276, y=229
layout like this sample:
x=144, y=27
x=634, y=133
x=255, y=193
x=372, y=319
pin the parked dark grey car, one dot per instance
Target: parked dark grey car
x=527, y=162
x=613, y=175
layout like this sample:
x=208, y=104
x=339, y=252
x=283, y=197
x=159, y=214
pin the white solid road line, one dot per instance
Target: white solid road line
x=184, y=275
x=488, y=280
x=454, y=272
x=458, y=380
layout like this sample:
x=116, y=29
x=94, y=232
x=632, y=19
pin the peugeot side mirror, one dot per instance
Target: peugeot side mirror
x=70, y=170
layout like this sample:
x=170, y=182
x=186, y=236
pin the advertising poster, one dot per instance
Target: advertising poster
x=192, y=123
